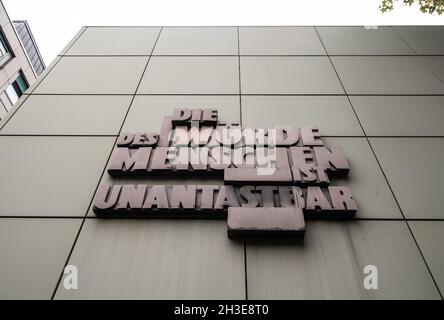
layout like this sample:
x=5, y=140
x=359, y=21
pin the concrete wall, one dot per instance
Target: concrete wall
x=377, y=93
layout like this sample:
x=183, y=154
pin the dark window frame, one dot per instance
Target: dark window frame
x=16, y=87
x=4, y=58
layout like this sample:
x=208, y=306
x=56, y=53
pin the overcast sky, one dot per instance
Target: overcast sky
x=55, y=22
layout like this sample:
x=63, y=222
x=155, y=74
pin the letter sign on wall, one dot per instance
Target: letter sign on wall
x=270, y=179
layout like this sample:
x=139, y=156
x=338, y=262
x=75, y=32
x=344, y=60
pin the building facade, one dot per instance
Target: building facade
x=16, y=70
x=25, y=34
x=377, y=92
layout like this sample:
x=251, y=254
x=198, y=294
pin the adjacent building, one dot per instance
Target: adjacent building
x=28, y=41
x=378, y=93
x=17, y=70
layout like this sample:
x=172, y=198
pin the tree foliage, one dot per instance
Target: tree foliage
x=426, y=6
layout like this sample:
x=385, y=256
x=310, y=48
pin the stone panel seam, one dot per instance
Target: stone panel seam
x=386, y=179
x=26, y=96
x=103, y=172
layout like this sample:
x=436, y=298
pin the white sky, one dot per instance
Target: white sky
x=55, y=22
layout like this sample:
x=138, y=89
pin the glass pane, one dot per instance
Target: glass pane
x=12, y=95
x=3, y=47
x=22, y=83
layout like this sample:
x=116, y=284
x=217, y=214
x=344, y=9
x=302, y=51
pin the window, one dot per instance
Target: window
x=12, y=94
x=3, y=109
x=3, y=46
x=16, y=89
